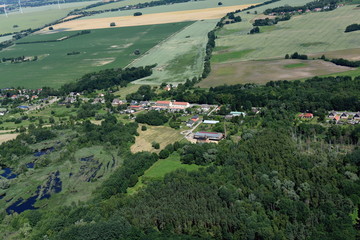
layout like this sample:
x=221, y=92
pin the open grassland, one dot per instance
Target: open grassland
x=130, y=88
x=307, y=34
x=179, y=57
x=37, y=16
x=160, y=134
x=280, y=3
x=350, y=54
x=5, y=38
x=147, y=19
x=118, y=4
x=264, y=71
x=101, y=49
x=160, y=169
x=192, y=5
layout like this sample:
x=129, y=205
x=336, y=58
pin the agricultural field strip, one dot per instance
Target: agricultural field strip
x=148, y=19
x=101, y=49
x=250, y=71
x=36, y=17
x=191, y=40
x=298, y=34
x=192, y=5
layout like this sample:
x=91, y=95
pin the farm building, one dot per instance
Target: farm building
x=195, y=118
x=174, y=106
x=208, y=136
x=344, y=116
x=181, y=105
x=190, y=123
x=117, y=102
x=135, y=107
x=237, y=114
x=3, y=111
x=210, y=122
x=306, y=115
x=357, y=116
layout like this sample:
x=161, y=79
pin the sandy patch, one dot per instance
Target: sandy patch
x=148, y=19
x=121, y=46
x=100, y=62
x=264, y=71
x=7, y=137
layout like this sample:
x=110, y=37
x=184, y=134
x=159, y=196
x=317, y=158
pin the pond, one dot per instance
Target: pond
x=8, y=174
x=52, y=185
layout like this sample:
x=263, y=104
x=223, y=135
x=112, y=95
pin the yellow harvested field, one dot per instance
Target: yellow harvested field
x=7, y=137
x=148, y=19
x=160, y=134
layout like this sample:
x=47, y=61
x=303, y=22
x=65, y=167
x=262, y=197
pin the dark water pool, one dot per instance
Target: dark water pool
x=53, y=185
x=8, y=173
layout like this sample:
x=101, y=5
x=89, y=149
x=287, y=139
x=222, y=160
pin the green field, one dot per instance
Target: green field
x=5, y=38
x=118, y=4
x=160, y=168
x=193, y=5
x=101, y=49
x=37, y=16
x=306, y=34
x=180, y=57
x=295, y=65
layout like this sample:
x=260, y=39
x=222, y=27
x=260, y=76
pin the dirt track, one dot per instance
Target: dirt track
x=147, y=19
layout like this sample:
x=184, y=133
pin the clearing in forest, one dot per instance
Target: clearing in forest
x=160, y=134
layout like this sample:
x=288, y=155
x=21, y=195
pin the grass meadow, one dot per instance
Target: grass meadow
x=193, y=5
x=159, y=169
x=160, y=134
x=179, y=57
x=37, y=16
x=306, y=34
x=101, y=49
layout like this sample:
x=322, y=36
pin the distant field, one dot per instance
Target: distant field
x=307, y=34
x=180, y=57
x=281, y=3
x=147, y=19
x=37, y=16
x=160, y=134
x=101, y=49
x=5, y=38
x=118, y=4
x=264, y=71
x=192, y=5
x=7, y=137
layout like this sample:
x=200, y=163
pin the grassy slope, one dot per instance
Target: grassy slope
x=180, y=57
x=37, y=16
x=101, y=49
x=310, y=33
x=160, y=168
x=175, y=7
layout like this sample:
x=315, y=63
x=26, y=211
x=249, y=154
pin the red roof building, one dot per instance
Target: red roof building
x=306, y=115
